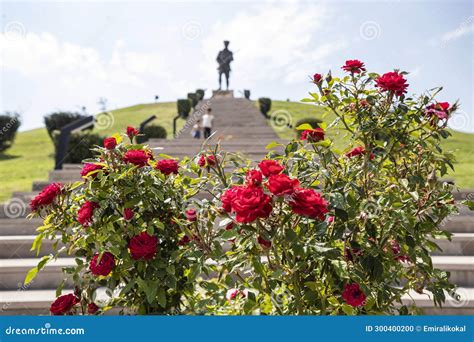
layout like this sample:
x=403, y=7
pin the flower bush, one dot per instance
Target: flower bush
x=311, y=230
x=330, y=231
x=118, y=224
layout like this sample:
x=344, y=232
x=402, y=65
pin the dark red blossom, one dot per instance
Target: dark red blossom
x=132, y=132
x=357, y=151
x=137, y=157
x=281, y=184
x=63, y=304
x=253, y=177
x=110, y=143
x=353, y=295
x=85, y=213
x=317, y=78
x=91, y=167
x=353, y=66
x=308, y=202
x=102, y=265
x=143, y=246
x=46, y=196
x=270, y=167
x=128, y=214
x=313, y=135
x=393, y=82
x=250, y=203
x=167, y=166
x=264, y=243
x=92, y=308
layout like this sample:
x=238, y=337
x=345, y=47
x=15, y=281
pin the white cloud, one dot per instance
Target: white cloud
x=465, y=28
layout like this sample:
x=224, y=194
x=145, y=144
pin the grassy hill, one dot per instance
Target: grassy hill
x=32, y=155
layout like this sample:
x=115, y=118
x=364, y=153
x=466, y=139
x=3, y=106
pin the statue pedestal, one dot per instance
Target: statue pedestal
x=223, y=93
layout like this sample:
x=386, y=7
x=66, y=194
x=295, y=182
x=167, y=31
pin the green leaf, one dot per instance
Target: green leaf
x=469, y=204
x=348, y=310
x=304, y=127
x=273, y=144
x=30, y=275
x=161, y=296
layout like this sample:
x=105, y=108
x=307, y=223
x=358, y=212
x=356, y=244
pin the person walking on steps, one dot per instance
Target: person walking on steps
x=207, y=120
x=196, y=131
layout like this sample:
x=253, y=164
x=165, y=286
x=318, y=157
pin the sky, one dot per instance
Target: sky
x=65, y=55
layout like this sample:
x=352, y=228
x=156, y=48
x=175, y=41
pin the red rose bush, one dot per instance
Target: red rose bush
x=119, y=223
x=320, y=229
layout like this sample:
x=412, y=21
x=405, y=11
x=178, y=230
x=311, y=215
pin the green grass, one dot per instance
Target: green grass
x=461, y=144
x=31, y=156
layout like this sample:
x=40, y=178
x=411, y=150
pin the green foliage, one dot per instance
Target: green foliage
x=9, y=124
x=265, y=104
x=313, y=122
x=152, y=132
x=200, y=93
x=80, y=146
x=56, y=121
x=194, y=98
x=184, y=107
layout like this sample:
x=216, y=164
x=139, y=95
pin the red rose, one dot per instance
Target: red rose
x=253, y=177
x=308, y=202
x=439, y=109
x=46, y=196
x=227, y=197
x=104, y=266
x=353, y=295
x=396, y=250
x=250, y=203
x=137, y=157
x=313, y=135
x=184, y=241
x=143, y=246
x=264, y=243
x=110, y=143
x=206, y=160
x=128, y=214
x=92, y=308
x=357, y=151
x=353, y=66
x=351, y=254
x=90, y=167
x=233, y=293
x=191, y=215
x=167, y=166
x=132, y=132
x=63, y=304
x=317, y=78
x=270, y=167
x=392, y=81
x=281, y=184
x=84, y=214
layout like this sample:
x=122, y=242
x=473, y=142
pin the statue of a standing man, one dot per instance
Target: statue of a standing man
x=224, y=58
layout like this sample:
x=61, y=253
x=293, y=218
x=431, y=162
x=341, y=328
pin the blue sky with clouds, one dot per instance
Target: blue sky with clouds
x=64, y=55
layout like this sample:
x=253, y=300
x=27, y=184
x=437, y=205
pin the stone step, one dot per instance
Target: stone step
x=13, y=272
x=19, y=246
x=461, y=268
x=465, y=305
x=460, y=244
x=19, y=226
x=38, y=302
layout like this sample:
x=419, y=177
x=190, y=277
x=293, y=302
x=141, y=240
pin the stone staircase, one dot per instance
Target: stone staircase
x=241, y=128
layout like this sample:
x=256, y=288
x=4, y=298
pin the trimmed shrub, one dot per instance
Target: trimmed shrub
x=9, y=124
x=56, y=121
x=152, y=131
x=80, y=145
x=194, y=98
x=265, y=104
x=200, y=94
x=184, y=107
